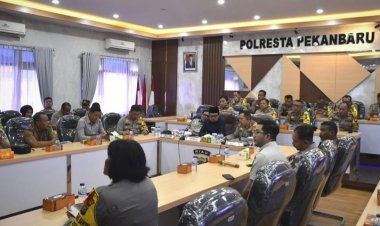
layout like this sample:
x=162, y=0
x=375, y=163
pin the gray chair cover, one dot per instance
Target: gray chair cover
x=81, y=112
x=229, y=120
x=259, y=118
x=311, y=167
x=67, y=127
x=218, y=207
x=15, y=128
x=361, y=109
x=110, y=121
x=49, y=113
x=6, y=115
x=274, y=103
x=153, y=111
x=346, y=149
x=271, y=192
x=200, y=110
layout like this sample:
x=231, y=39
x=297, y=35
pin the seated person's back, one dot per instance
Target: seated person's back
x=40, y=133
x=90, y=125
x=133, y=122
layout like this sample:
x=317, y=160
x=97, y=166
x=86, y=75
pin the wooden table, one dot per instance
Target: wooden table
x=172, y=189
x=371, y=208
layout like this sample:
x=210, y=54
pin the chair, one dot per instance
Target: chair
x=81, y=112
x=200, y=110
x=110, y=121
x=67, y=127
x=361, y=109
x=271, y=192
x=259, y=118
x=229, y=120
x=15, y=128
x=49, y=113
x=346, y=149
x=218, y=207
x=311, y=168
x=238, y=108
x=274, y=103
x=250, y=100
x=153, y=111
x=6, y=115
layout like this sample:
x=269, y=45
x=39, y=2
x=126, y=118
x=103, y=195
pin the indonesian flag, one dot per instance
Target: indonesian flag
x=152, y=90
x=144, y=96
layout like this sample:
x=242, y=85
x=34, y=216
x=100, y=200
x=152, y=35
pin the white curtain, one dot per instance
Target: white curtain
x=18, y=79
x=116, y=85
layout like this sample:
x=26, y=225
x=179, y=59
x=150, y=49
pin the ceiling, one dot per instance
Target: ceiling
x=181, y=18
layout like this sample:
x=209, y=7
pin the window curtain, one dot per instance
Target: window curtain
x=117, y=84
x=18, y=78
x=44, y=68
x=90, y=72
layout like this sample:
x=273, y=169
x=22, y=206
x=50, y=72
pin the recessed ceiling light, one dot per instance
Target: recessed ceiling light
x=225, y=42
x=256, y=17
x=116, y=16
x=221, y=2
x=160, y=26
x=319, y=11
x=55, y=2
x=204, y=21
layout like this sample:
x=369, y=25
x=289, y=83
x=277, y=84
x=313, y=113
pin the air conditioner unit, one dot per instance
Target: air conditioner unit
x=12, y=28
x=119, y=44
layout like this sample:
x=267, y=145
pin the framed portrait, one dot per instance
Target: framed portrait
x=190, y=61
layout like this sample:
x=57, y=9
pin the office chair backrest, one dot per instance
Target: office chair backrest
x=6, y=115
x=258, y=118
x=218, y=207
x=67, y=127
x=153, y=111
x=239, y=108
x=361, y=109
x=110, y=121
x=204, y=107
x=229, y=120
x=330, y=148
x=274, y=103
x=81, y=112
x=311, y=167
x=15, y=128
x=346, y=149
x=271, y=192
x=49, y=113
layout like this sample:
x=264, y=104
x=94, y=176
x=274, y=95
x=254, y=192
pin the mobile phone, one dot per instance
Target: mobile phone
x=228, y=176
x=249, y=165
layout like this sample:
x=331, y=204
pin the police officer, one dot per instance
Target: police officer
x=133, y=122
x=346, y=121
x=298, y=116
x=374, y=109
x=245, y=128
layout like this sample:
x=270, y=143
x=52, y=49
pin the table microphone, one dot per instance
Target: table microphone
x=225, y=163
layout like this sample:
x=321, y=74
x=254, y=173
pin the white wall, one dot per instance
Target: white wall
x=69, y=42
x=189, y=84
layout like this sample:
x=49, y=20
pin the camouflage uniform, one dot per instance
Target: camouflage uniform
x=374, y=109
x=243, y=102
x=269, y=111
x=348, y=123
x=243, y=132
x=284, y=110
x=322, y=111
x=295, y=119
x=126, y=125
x=195, y=126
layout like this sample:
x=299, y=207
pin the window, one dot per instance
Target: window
x=117, y=84
x=18, y=79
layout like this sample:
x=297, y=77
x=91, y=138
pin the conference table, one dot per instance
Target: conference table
x=371, y=207
x=173, y=189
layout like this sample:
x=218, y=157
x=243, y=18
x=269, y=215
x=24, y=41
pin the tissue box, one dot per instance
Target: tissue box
x=245, y=154
x=6, y=154
x=184, y=168
x=58, y=202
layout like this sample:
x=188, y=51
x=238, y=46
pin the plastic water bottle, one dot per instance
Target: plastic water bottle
x=195, y=163
x=82, y=192
x=98, y=139
x=226, y=152
x=153, y=129
x=58, y=145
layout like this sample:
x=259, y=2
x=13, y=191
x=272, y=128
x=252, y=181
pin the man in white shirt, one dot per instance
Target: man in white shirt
x=265, y=138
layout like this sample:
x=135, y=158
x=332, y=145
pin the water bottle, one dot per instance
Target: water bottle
x=58, y=145
x=98, y=139
x=226, y=152
x=195, y=163
x=153, y=129
x=82, y=192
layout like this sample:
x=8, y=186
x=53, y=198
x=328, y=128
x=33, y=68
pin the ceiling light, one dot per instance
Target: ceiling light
x=256, y=17
x=221, y=2
x=204, y=21
x=319, y=11
x=115, y=16
x=160, y=26
x=55, y=2
x=225, y=42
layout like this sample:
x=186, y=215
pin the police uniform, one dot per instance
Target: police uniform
x=243, y=102
x=244, y=132
x=137, y=126
x=298, y=118
x=269, y=111
x=284, y=110
x=374, y=109
x=348, y=123
x=322, y=111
